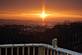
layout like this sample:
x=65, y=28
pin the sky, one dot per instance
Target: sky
x=14, y=9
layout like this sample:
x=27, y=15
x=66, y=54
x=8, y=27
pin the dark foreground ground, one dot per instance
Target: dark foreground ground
x=69, y=35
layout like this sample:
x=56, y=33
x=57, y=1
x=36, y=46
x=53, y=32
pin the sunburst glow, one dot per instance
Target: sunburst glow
x=43, y=15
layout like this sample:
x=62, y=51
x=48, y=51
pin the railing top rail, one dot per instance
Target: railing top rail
x=41, y=45
x=28, y=45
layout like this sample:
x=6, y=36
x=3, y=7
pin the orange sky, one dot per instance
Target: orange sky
x=32, y=15
x=26, y=9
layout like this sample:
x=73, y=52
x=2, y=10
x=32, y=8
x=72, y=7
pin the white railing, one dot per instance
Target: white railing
x=34, y=49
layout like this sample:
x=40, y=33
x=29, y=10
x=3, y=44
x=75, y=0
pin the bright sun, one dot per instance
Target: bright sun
x=43, y=15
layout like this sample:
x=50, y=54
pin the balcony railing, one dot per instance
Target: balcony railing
x=34, y=49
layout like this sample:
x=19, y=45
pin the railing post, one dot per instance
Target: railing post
x=17, y=50
x=57, y=53
x=61, y=53
x=47, y=51
x=22, y=50
x=41, y=51
x=33, y=50
x=0, y=51
x=54, y=43
x=50, y=51
x=6, y=51
x=54, y=52
x=12, y=51
x=28, y=50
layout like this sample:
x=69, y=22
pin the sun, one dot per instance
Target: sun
x=43, y=15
